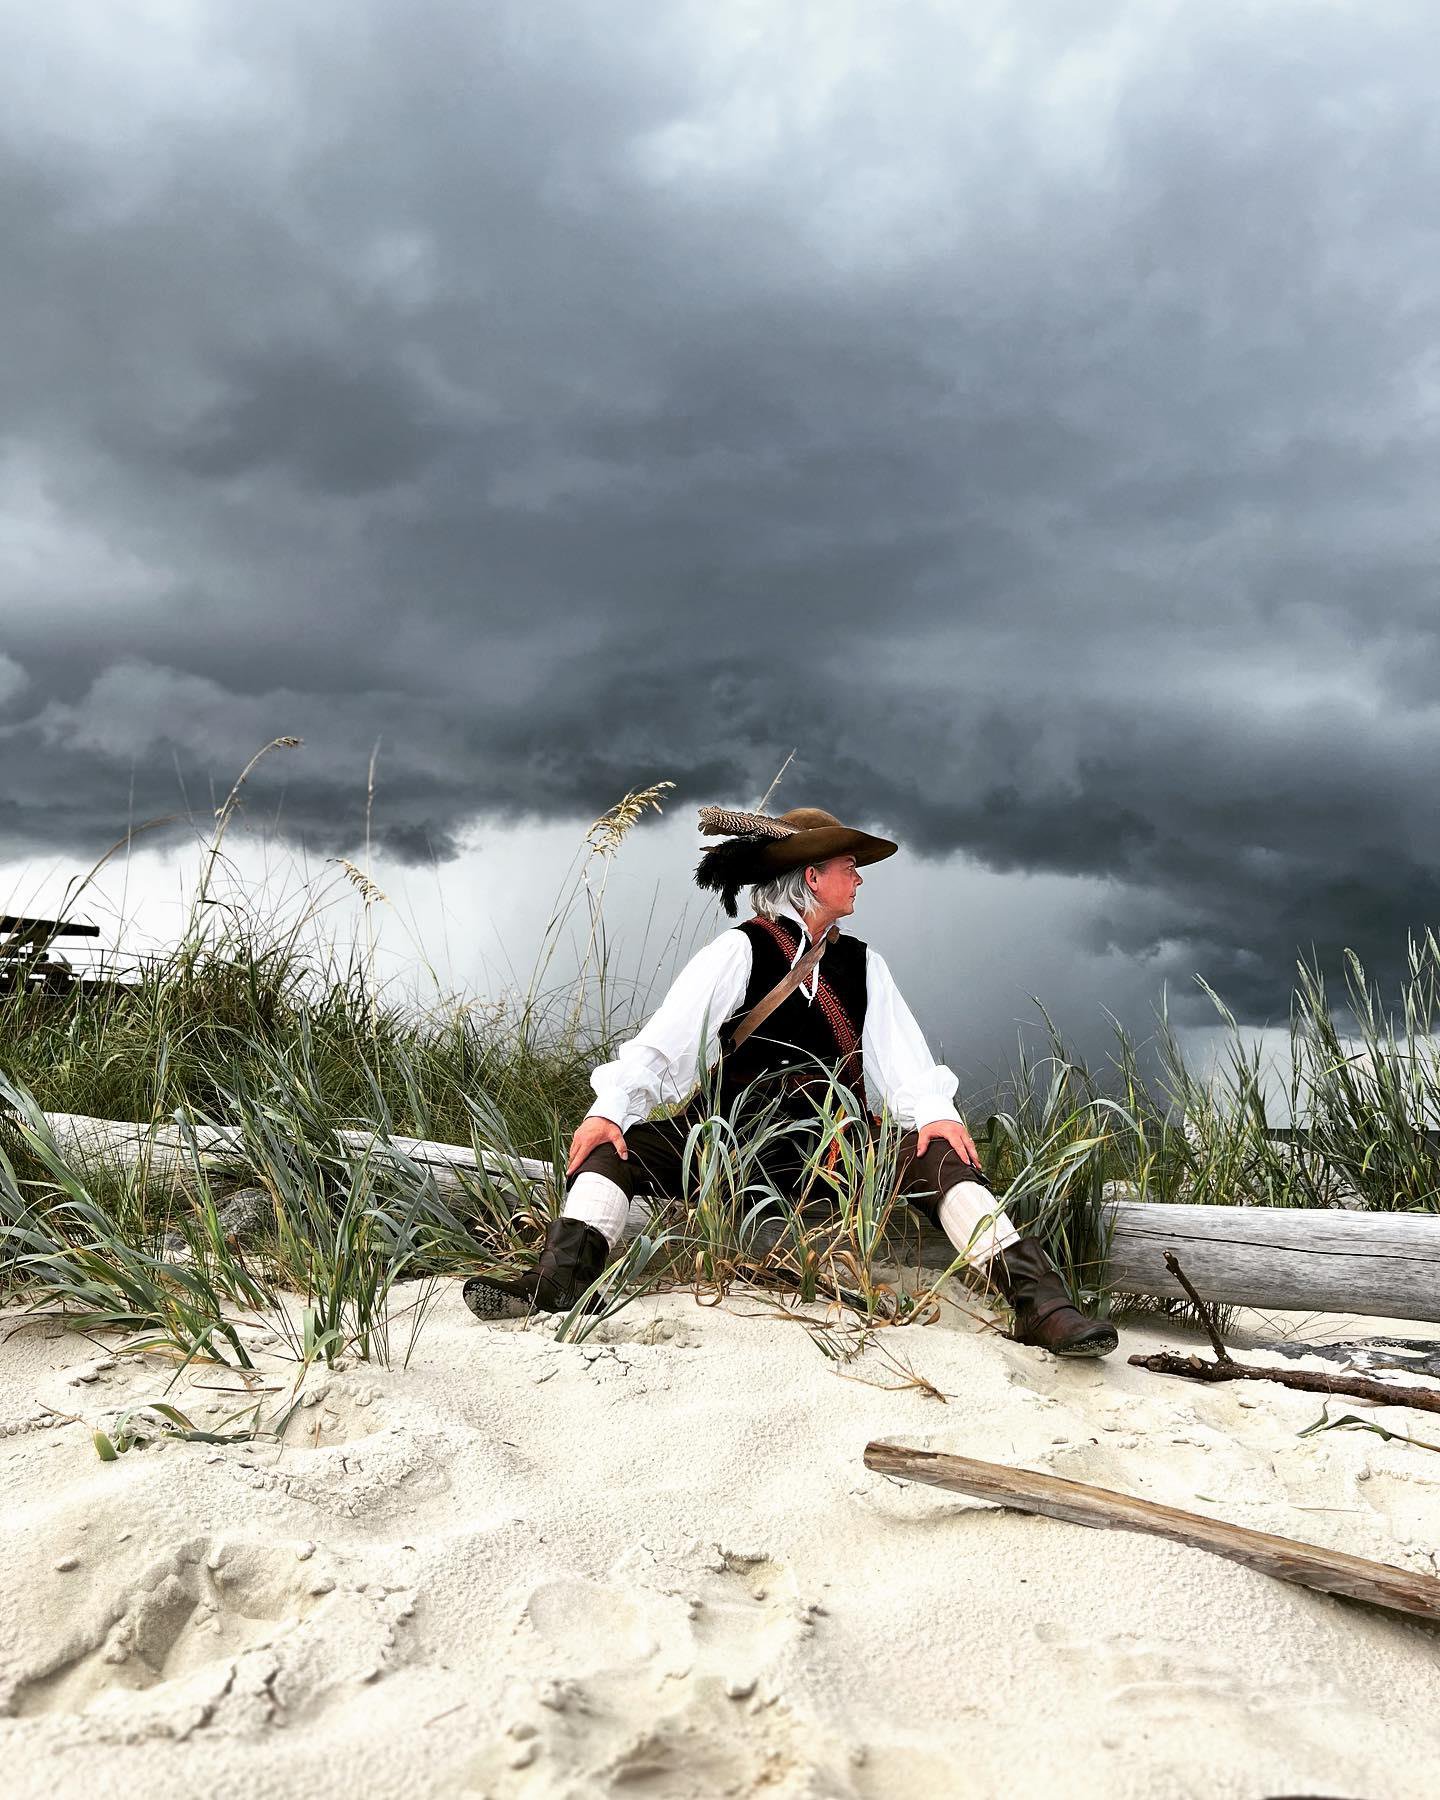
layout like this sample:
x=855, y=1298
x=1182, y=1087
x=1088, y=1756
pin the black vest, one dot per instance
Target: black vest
x=800, y=1032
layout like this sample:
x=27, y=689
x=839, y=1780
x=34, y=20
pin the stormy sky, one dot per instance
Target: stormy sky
x=1027, y=412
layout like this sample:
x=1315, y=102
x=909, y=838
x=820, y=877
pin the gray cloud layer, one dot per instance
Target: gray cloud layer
x=1032, y=418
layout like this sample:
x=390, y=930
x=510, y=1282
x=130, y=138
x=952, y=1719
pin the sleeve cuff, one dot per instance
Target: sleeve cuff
x=933, y=1110
x=616, y=1107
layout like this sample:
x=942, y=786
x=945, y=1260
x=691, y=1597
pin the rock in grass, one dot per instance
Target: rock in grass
x=246, y=1213
x=242, y=1218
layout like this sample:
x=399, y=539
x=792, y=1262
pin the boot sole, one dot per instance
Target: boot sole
x=1093, y=1348
x=487, y=1300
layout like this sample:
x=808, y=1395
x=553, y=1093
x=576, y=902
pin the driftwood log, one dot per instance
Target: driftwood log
x=1299, y=1259
x=98, y=1143
x=1331, y=1571
x=1384, y=1265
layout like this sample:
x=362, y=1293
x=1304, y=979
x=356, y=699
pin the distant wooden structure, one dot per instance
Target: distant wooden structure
x=26, y=962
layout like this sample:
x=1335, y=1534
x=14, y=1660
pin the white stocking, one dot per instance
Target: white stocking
x=597, y=1201
x=975, y=1223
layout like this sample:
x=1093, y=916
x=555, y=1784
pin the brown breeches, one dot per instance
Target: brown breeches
x=654, y=1165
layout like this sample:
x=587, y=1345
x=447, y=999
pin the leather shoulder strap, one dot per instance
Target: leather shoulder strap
x=783, y=989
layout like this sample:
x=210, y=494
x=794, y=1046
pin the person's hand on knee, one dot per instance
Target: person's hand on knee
x=593, y=1132
x=951, y=1132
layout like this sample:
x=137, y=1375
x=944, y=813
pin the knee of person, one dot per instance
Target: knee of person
x=947, y=1166
x=604, y=1160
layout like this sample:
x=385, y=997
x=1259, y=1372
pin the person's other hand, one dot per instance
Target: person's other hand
x=594, y=1131
x=951, y=1132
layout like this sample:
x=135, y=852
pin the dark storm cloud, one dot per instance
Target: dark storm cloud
x=1029, y=417
x=337, y=430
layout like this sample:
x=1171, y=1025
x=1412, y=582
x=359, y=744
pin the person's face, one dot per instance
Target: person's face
x=833, y=886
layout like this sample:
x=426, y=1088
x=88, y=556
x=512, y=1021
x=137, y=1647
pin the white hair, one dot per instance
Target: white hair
x=767, y=897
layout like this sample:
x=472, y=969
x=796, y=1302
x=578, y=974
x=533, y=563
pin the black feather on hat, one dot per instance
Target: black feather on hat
x=757, y=848
x=728, y=867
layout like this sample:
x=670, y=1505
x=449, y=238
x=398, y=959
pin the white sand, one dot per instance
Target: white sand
x=656, y=1566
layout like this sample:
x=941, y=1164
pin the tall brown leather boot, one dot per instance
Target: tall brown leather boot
x=1044, y=1314
x=574, y=1253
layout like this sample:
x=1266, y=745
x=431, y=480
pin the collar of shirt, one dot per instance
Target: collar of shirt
x=811, y=987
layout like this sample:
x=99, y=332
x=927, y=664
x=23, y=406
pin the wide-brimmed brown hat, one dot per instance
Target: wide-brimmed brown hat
x=758, y=848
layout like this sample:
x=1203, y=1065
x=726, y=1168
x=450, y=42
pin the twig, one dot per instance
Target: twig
x=763, y=801
x=1308, y=1381
x=1205, y=1311
x=449, y=1711
x=64, y=1418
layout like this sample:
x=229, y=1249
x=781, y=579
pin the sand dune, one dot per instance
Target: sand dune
x=653, y=1564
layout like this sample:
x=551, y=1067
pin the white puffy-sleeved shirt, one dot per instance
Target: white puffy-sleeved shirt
x=661, y=1063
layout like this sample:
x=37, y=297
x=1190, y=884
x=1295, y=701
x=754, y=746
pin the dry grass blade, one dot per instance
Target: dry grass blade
x=910, y=1378
x=1353, y=1422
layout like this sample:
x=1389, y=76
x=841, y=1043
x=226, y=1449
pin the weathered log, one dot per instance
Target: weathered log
x=1331, y=1571
x=1298, y=1259
x=166, y=1148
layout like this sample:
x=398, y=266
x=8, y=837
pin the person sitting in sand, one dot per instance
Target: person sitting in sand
x=829, y=1007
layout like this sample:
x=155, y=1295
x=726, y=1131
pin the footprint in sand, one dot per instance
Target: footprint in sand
x=1197, y=1470
x=743, y=1615
x=687, y=1636
x=695, y=1743
x=338, y=1411
x=179, y=1636
x=380, y=1475
x=708, y=1745
x=675, y=1334
x=1406, y=1505
x=1168, y=1689
x=196, y=1606
x=736, y=1609
x=592, y=1627
x=1171, y=1681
